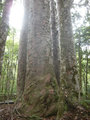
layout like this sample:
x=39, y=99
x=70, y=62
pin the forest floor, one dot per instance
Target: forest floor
x=6, y=113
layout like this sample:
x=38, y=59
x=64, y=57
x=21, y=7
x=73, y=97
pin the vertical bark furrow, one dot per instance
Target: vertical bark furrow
x=55, y=38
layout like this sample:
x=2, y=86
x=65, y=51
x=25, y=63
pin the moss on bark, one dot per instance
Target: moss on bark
x=40, y=97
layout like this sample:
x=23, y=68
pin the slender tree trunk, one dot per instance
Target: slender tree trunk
x=4, y=27
x=40, y=91
x=86, y=73
x=80, y=62
x=69, y=88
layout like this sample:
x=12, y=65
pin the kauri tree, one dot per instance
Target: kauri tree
x=42, y=79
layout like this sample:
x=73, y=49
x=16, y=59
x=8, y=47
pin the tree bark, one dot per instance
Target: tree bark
x=55, y=39
x=40, y=91
x=80, y=63
x=4, y=27
x=69, y=88
x=22, y=59
x=86, y=86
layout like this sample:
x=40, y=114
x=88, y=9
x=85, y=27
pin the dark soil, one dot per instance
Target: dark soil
x=7, y=113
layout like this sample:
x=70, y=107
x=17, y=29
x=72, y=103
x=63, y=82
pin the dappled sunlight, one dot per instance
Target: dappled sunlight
x=16, y=15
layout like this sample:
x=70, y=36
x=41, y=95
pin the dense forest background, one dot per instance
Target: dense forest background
x=81, y=30
x=80, y=14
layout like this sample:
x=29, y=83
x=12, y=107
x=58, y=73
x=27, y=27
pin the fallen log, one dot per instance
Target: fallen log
x=7, y=102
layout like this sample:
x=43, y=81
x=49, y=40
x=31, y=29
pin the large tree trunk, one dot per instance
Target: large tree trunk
x=40, y=92
x=4, y=27
x=69, y=88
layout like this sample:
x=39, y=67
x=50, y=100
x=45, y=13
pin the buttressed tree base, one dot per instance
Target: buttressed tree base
x=48, y=86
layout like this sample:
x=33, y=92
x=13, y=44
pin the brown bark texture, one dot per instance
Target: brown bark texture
x=41, y=65
x=55, y=33
x=69, y=89
x=40, y=91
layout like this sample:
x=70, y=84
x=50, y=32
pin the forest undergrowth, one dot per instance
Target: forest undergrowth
x=7, y=112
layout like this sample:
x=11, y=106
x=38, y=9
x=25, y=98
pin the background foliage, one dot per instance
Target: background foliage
x=82, y=45
x=9, y=69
